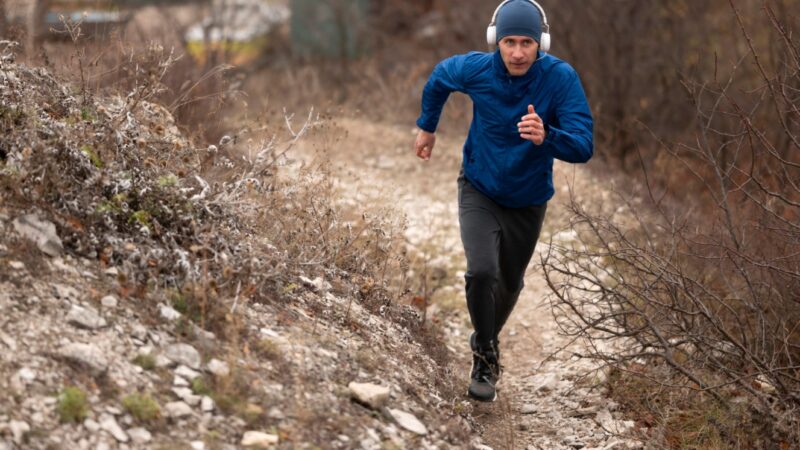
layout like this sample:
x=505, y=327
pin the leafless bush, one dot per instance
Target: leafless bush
x=707, y=286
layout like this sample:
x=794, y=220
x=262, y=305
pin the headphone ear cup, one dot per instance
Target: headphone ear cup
x=544, y=45
x=491, y=35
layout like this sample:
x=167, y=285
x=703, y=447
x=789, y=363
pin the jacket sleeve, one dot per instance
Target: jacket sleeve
x=572, y=140
x=448, y=76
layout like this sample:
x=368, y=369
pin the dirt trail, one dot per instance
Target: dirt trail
x=543, y=402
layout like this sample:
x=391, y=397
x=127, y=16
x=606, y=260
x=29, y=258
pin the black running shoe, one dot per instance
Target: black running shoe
x=485, y=373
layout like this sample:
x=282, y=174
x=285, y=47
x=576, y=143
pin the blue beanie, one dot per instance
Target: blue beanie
x=519, y=18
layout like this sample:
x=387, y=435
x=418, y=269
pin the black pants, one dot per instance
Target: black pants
x=498, y=243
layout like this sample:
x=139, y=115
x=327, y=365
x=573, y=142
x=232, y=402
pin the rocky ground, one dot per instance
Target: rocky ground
x=550, y=397
x=147, y=300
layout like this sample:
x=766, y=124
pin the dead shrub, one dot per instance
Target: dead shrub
x=702, y=302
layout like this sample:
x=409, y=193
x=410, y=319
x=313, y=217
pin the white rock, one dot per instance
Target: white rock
x=183, y=354
x=197, y=445
x=87, y=355
x=176, y=410
x=109, y=301
x=40, y=231
x=528, y=408
x=91, y=425
x=26, y=375
x=8, y=341
x=139, y=435
x=168, y=313
x=258, y=439
x=111, y=271
x=372, y=395
x=180, y=381
x=318, y=284
x=65, y=292
x=187, y=396
x=18, y=430
x=206, y=404
x=276, y=413
x=187, y=373
x=109, y=424
x=85, y=317
x=218, y=368
x=408, y=421
x=16, y=265
x=547, y=382
x=139, y=331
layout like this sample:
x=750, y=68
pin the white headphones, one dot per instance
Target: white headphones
x=544, y=43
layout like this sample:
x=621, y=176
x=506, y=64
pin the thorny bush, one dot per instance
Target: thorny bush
x=704, y=298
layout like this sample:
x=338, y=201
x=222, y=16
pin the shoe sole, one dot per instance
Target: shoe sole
x=485, y=400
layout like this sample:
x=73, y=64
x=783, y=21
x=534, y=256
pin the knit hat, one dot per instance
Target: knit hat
x=519, y=18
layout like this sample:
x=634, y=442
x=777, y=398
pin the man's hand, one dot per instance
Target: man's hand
x=532, y=128
x=424, y=144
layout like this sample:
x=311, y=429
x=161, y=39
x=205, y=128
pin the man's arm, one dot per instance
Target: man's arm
x=447, y=76
x=572, y=140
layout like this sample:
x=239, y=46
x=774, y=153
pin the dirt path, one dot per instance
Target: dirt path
x=545, y=402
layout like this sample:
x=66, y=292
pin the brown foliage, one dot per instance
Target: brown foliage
x=707, y=288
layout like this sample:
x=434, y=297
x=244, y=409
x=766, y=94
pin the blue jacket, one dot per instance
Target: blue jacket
x=508, y=169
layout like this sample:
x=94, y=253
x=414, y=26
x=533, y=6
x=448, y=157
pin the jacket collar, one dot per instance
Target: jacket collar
x=501, y=71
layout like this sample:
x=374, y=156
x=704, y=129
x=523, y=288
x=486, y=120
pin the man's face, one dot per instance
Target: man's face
x=518, y=53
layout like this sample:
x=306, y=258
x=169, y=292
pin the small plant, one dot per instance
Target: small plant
x=141, y=217
x=142, y=407
x=167, y=181
x=146, y=362
x=72, y=406
x=269, y=349
x=93, y=157
x=200, y=386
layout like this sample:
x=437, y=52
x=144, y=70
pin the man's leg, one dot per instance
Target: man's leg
x=520, y=232
x=480, y=234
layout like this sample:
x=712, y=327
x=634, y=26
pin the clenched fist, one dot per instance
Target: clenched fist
x=532, y=128
x=424, y=144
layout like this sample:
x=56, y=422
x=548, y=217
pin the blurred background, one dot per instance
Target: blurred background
x=638, y=59
x=696, y=107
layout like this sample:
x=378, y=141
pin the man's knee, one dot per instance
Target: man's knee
x=482, y=274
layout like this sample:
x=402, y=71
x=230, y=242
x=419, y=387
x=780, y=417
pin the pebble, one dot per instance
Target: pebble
x=408, y=421
x=86, y=355
x=85, y=317
x=372, y=395
x=528, y=408
x=16, y=265
x=176, y=410
x=186, y=373
x=91, y=425
x=197, y=445
x=26, y=375
x=168, y=313
x=258, y=439
x=139, y=332
x=218, y=368
x=207, y=404
x=183, y=354
x=139, y=435
x=109, y=301
x=65, y=292
x=187, y=396
x=18, y=430
x=109, y=424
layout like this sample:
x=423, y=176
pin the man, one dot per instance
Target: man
x=528, y=108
